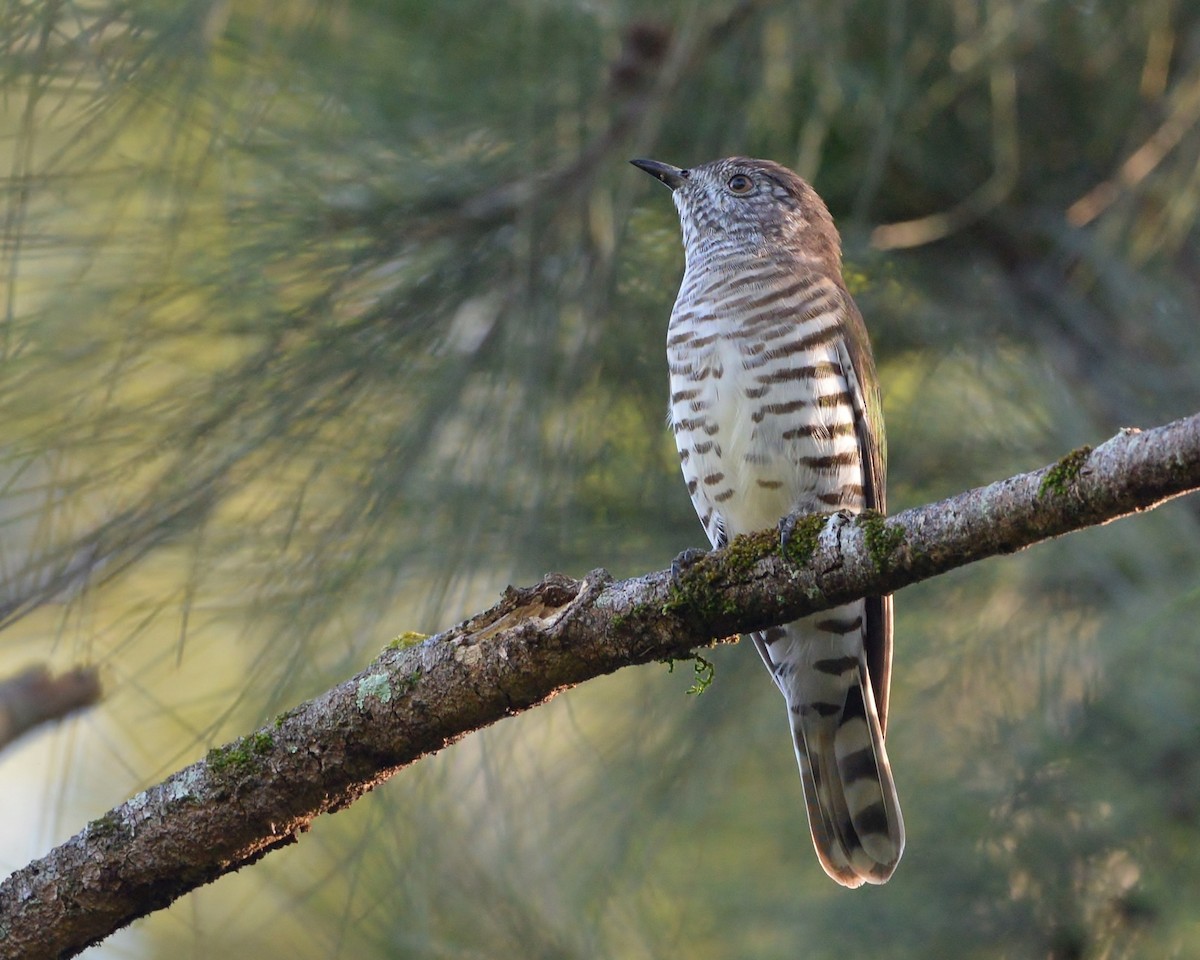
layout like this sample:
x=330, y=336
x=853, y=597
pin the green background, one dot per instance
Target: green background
x=323, y=321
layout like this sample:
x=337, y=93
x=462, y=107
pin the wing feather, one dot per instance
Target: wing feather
x=859, y=367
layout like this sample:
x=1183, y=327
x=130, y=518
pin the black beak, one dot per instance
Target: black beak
x=673, y=177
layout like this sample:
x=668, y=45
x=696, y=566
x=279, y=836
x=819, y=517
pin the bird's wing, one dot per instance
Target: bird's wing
x=859, y=368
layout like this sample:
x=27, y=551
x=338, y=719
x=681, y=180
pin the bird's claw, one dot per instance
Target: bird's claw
x=687, y=558
x=787, y=526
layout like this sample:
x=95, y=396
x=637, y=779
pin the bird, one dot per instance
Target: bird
x=776, y=411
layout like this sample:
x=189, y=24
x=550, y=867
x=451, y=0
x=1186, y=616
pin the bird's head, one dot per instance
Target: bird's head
x=744, y=206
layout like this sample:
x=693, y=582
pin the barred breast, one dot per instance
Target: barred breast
x=760, y=400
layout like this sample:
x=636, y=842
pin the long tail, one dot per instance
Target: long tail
x=853, y=812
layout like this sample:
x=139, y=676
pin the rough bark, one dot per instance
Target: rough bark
x=258, y=793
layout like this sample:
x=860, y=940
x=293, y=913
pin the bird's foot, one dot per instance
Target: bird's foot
x=798, y=533
x=787, y=527
x=687, y=558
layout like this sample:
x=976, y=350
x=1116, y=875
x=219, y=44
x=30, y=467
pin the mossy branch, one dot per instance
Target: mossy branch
x=262, y=791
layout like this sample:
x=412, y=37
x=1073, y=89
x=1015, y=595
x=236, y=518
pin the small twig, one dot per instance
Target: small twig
x=1183, y=116
x=34, y=697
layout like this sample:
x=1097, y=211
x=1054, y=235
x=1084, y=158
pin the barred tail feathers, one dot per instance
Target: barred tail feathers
x=853, y=811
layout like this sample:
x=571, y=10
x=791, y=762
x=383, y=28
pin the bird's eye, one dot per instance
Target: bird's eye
x=740, y=184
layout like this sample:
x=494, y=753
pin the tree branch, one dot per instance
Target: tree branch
x=258, y=793
x=33, y=697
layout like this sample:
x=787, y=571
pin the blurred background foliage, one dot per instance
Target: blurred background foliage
x=323, y=321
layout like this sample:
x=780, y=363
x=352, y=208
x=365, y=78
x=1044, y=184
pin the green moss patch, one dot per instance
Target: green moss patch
x=802, y=542
x=409, y=638
x=1060, y=477
x=240, y=754
x=881, y=541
